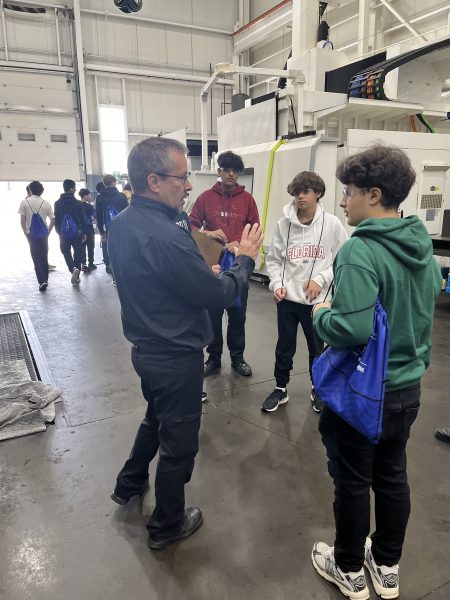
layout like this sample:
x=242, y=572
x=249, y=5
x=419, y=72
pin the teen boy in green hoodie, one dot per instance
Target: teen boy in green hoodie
x=391, y=258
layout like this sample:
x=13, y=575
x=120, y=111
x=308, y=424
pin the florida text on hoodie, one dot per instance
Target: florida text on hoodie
x=299, y=252
x=392, y=258
x=229, y=211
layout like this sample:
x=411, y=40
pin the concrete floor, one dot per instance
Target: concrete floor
x=261, y=480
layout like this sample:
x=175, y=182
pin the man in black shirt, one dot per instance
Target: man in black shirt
x=165, y=288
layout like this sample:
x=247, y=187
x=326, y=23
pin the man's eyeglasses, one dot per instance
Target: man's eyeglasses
x=182, y=178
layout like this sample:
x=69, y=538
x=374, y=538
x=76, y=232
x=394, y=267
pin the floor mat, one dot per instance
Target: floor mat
x=25, y=405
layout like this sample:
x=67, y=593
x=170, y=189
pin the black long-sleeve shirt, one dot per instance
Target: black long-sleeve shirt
x=165, y=287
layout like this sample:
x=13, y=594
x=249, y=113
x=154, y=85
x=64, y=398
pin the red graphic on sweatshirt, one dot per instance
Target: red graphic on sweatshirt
x=306, y=251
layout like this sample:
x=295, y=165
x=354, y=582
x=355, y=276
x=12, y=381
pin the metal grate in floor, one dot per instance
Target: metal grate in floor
x=13, y=342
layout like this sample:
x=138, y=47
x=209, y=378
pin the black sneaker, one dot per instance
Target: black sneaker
x=211, y=366
x=122, y=500
x=92, y=266
x=316, y=402
x=273, y=401
x=43, y=286
x=204, y=396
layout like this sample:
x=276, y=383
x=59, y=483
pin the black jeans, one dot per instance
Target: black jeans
x=289, y=315
x=235, y=331
x=89, y=245
x=39, y=254
x=66, y=246
x=104, y=247
x=172, y=386
x=356, y=465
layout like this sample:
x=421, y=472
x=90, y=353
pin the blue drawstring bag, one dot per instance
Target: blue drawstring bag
x=351, y=381
x=110, y=213
x=69, y=228
x=38, y=229
x=226, y=262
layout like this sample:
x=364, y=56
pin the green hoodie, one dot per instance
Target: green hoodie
x=392, y=258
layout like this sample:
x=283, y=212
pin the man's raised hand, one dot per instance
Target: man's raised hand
x=251, y=240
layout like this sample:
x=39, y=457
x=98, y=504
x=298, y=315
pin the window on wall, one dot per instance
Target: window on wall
x=113, y=138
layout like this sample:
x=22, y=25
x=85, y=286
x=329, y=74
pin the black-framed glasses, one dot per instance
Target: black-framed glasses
x=182, y=178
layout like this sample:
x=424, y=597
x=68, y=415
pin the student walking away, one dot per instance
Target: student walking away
x=300, y=266
x=109, y=203
x=127, y=191
x=89, y=243
x=165, y=288
x=71, y=227
x=390, y=258
x=223, y=212
x=37, y=221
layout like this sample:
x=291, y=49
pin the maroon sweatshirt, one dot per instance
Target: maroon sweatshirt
x=216, y=209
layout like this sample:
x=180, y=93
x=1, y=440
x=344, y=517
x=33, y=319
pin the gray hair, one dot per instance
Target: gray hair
x=151, y=156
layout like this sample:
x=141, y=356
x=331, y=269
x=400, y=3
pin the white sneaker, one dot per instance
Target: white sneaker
x=75, y=276
x=385, y=580
x=351, y=584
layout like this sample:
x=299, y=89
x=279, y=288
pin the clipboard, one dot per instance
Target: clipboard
x=208, y=248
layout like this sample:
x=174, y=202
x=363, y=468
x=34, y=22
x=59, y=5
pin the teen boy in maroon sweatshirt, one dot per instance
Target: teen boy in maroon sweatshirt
x=223, y=212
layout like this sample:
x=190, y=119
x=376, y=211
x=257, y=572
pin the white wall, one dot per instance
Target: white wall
x=153, y=104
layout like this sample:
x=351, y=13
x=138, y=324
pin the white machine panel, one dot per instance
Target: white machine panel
x=253, y=125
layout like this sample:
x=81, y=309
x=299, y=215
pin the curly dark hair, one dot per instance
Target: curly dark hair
x=304, y=181
x=230, y=160
x=385, y=167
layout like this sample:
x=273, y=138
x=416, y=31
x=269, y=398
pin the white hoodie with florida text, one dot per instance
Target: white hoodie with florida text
x=302, y=252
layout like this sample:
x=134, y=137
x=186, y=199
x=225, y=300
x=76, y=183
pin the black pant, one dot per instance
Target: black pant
x=39, y=254
x=89, y=245
x=356, y=465
x=66, y=246
x=235, y=331
x=289, y=315
x=172, y=387
x=104, y=247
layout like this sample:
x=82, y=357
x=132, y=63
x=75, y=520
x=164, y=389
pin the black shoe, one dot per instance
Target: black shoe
x=109, y=270
x=443, y=434
x=122, y=500
x=273, y=401
x=192, y=520
x=92, y=266
x=43, y=286
x=316, y=402
x=211, y=366
x=204, y=396
x=242, y=368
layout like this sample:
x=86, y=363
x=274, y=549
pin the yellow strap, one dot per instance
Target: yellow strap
x=266, y=197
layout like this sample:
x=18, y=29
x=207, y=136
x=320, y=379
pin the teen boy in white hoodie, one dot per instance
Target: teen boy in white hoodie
x=300, y=267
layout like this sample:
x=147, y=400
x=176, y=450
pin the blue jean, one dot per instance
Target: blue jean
x=356, y=466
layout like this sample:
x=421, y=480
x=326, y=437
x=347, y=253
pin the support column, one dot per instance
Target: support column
x=363, y=27
x=82, y=87
x=305, y=21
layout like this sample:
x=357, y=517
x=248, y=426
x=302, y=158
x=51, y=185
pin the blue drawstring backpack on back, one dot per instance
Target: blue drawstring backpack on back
x=226, y=262
x=38, y=229
x=351, y=381
x=109, y=214
x=69, y=228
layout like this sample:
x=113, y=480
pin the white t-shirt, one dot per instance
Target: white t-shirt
x=31, y=205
